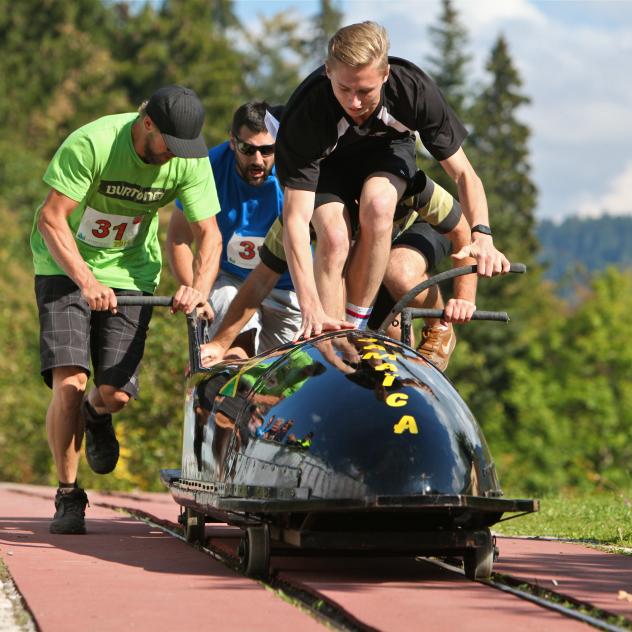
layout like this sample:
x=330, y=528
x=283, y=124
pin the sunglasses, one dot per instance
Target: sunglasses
x=249, y=150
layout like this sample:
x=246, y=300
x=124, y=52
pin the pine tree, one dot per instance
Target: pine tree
x=448, y=65
x=448, y=68
x=501, y=156
x=325, y=23
x=188, y=42
x=56, y=73
x=275, y=58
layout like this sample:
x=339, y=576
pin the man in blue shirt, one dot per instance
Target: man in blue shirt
x=251, y=200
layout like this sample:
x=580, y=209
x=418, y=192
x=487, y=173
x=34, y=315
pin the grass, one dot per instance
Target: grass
x=601, y=517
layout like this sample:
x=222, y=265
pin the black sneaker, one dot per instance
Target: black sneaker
x=102, y=447
x=70, y=512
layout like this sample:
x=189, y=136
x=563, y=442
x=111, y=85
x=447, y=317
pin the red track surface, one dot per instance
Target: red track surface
x=125, y=573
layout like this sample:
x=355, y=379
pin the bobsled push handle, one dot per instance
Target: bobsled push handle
x=156, y=301
x=438, y=313
x=196, y=333
x=519, y=268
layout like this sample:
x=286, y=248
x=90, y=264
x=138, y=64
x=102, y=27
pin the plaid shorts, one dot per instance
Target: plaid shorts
x=70, y=333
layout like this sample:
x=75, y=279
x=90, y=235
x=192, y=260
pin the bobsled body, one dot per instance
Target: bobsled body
x=347, y=416
x=343, y=422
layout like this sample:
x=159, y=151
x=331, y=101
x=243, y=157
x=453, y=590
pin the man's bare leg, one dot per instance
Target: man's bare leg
x=370, y=254
x=407, y=267
x=333, y=232
x=64, y=424
x=64, y=427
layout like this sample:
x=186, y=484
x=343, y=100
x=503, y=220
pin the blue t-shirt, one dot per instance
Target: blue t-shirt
x=247, y=214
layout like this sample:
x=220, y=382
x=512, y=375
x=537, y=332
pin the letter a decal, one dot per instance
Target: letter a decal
x=406, y=424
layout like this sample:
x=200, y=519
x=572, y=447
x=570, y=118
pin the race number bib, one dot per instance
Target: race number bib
x=105, y=230
x=243, y=250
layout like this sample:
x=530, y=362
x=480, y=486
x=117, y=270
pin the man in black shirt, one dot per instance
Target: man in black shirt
x=345, y=154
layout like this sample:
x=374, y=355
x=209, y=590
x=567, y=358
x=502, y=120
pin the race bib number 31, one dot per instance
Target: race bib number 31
x=243, y=250
x=105, y=230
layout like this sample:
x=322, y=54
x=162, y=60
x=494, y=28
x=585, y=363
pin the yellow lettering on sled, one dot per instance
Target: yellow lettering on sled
x=397, y=399
x=406, y=424
x=372, y=355
x=367, y=339
x=389, y=378
x=386, y=367
x=379, y=347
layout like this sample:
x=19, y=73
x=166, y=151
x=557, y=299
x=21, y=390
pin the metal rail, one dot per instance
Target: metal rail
x=509, y=585
x=321, y=608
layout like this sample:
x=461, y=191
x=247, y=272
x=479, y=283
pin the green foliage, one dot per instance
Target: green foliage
x=183, y=42
x=275, y=58
x=498, y=149
x=25, y=455
x=501, y=155
x=42, y=102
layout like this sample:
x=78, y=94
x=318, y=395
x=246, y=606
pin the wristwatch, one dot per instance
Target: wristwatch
x=481, y=228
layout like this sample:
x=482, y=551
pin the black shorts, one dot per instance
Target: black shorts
x=70, y=333
x=343, y=173
x=426, y=240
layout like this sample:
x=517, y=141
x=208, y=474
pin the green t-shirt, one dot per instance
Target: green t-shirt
x=115, y=224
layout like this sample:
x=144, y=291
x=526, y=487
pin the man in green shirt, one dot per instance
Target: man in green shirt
x=95, y=238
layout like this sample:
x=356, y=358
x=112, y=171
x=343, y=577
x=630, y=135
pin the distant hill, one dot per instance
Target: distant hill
x=591, y=243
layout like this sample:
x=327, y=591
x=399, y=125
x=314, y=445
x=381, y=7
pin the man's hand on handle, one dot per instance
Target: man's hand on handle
x=211, y=353
x=100, y=297
x=186, y=299
x=458, y=310
x=489, y=260
x=206, y=312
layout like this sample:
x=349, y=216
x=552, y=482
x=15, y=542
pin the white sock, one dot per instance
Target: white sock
x=358, y=316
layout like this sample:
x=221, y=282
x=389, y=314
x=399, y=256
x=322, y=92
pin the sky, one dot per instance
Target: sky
x=574, y=59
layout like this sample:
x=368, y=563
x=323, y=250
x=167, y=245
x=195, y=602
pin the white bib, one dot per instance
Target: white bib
x=243, y=250
x=105, y=230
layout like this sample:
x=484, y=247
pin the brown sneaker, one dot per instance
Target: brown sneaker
x=437, y=344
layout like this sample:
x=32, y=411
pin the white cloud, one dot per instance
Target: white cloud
x=483, y=13
x=617, y=200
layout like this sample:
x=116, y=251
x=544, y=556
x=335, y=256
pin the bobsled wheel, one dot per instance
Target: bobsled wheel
x=194, y=526
x=254, y=551
x=478, y=562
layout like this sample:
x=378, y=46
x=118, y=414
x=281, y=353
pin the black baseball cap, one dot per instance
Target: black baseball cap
x=179, y=115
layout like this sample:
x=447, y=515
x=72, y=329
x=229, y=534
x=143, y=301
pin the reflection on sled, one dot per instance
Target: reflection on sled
x=350, y=441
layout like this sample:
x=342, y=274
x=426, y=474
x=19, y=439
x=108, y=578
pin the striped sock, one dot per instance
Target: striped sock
x=358, y=316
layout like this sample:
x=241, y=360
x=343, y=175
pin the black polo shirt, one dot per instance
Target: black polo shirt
x=314, y=124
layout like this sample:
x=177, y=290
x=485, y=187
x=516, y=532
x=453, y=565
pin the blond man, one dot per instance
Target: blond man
x=345, y=154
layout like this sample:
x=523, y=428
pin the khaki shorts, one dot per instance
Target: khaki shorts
x=276, y=322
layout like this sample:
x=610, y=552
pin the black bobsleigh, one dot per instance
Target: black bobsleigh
x=347, y=442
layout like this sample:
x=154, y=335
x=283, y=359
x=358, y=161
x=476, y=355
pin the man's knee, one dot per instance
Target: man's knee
x=113, y=398
x=332, y=245
x=69, y=383
x=376, y=214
